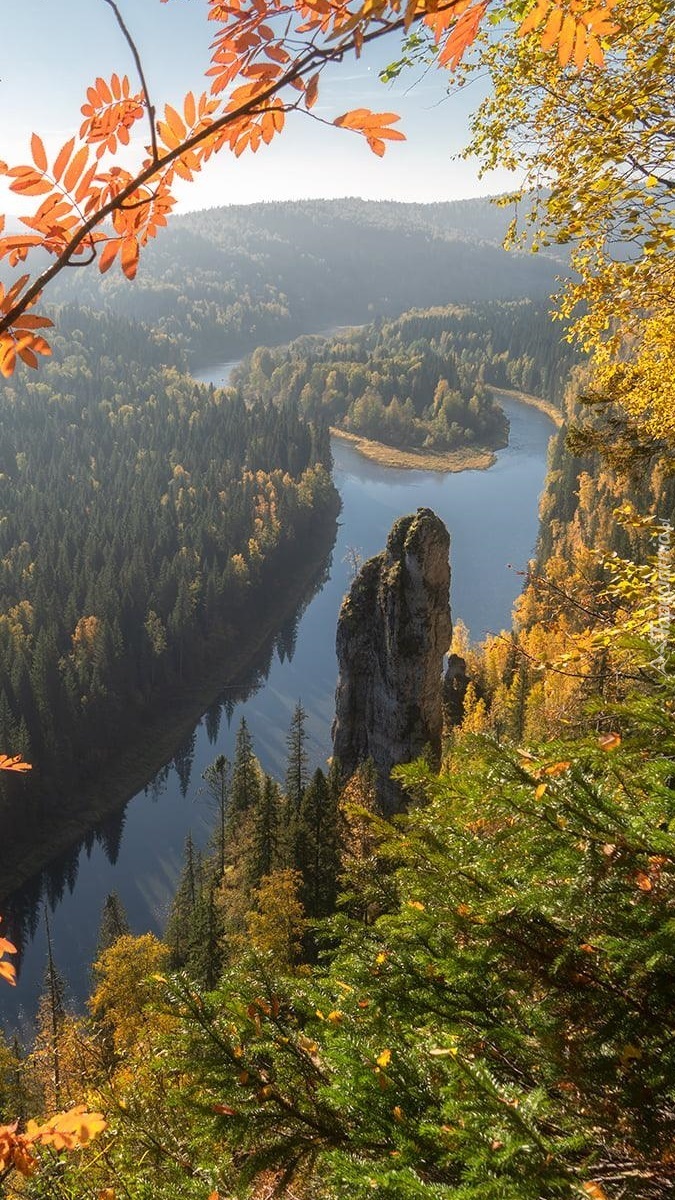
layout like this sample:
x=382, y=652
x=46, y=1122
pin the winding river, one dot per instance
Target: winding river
x=492, y=518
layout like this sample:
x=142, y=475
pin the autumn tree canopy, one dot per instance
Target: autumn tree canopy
x=267, y=59
x=597, y=149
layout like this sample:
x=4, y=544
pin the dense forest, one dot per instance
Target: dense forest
x=487, y=1013
x=229, y=279
x=142, y=518
x=143, y=512
x=421, y=380
x=470, y=999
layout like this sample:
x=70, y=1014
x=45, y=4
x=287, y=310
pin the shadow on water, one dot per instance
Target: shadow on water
x=492, y=519
x=96, y=856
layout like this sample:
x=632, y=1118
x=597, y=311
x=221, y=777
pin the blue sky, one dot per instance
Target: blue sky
x=57, y=47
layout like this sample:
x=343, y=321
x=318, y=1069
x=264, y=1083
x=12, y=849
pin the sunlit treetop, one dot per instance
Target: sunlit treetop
x=267, y=59
x=595, y=152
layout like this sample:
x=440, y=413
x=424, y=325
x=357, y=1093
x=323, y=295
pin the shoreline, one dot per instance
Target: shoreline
x=543, y=406
x=479, y=459
x=232, y=657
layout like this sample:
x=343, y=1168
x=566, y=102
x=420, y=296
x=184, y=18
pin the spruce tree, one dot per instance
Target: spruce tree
x=216, y=778
x=317, y=846
x=179, y=924
x=114, y=923
x=296, y=763
x=266, y=833
x=246, y=785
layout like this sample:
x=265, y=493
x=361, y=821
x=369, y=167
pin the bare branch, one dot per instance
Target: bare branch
x=306, y=64
x=141, y=75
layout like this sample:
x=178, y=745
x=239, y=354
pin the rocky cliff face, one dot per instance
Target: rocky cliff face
x=393, y=630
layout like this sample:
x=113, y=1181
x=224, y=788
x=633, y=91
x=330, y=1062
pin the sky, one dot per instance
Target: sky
x=58, y=47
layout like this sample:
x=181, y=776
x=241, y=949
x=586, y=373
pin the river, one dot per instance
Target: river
x=492, y=518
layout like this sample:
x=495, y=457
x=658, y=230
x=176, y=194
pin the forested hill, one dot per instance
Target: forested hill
x=229, y=279
x=142, y=517
x=423, y=379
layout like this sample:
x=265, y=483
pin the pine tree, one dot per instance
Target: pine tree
x=203, y=957
x=266, y=834
x=114, y=923
x=296, y=763
x=246, y=785
x=179, y=925
x=46, y=1054
x=216, y=778
x=317, y=846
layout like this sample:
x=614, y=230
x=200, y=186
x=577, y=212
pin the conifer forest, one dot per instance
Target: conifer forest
x=397, y=920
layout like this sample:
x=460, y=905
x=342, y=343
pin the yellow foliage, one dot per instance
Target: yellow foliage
x=276, y=926
x=125, y=990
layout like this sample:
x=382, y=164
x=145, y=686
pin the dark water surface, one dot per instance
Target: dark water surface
x=492, y=518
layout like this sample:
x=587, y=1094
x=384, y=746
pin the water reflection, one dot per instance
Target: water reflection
x=492, y=518
x=143, y=866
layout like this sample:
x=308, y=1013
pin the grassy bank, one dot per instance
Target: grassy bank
x=174, y=714
x=469, y=459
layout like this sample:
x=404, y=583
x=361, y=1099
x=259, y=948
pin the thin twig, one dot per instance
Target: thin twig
x=141, y=75
x=303, y=66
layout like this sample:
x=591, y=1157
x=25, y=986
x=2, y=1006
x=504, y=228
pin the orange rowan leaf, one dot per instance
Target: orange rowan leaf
x=7, y=301
x=39, y=152
x=534, y=18
x=371, y=124
x=85, y=183
x=553, y=27
x=109, y=254
x=263, y=71
x=567, y=39
x=7, y=355
x=277, y=53
x=63, y=158
x=39, y=345
x=594, y=51
x=7, y=970
x=102, y=90
x=30, y=184
x=129, y=257
x=16, y=763
x=190, y=110
x=76, y=168
x=312, y=91
x=580, y=47
x=175, y=122
x=462, y=34
x=16, y=248
x=557, y=768
x=28, y=357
